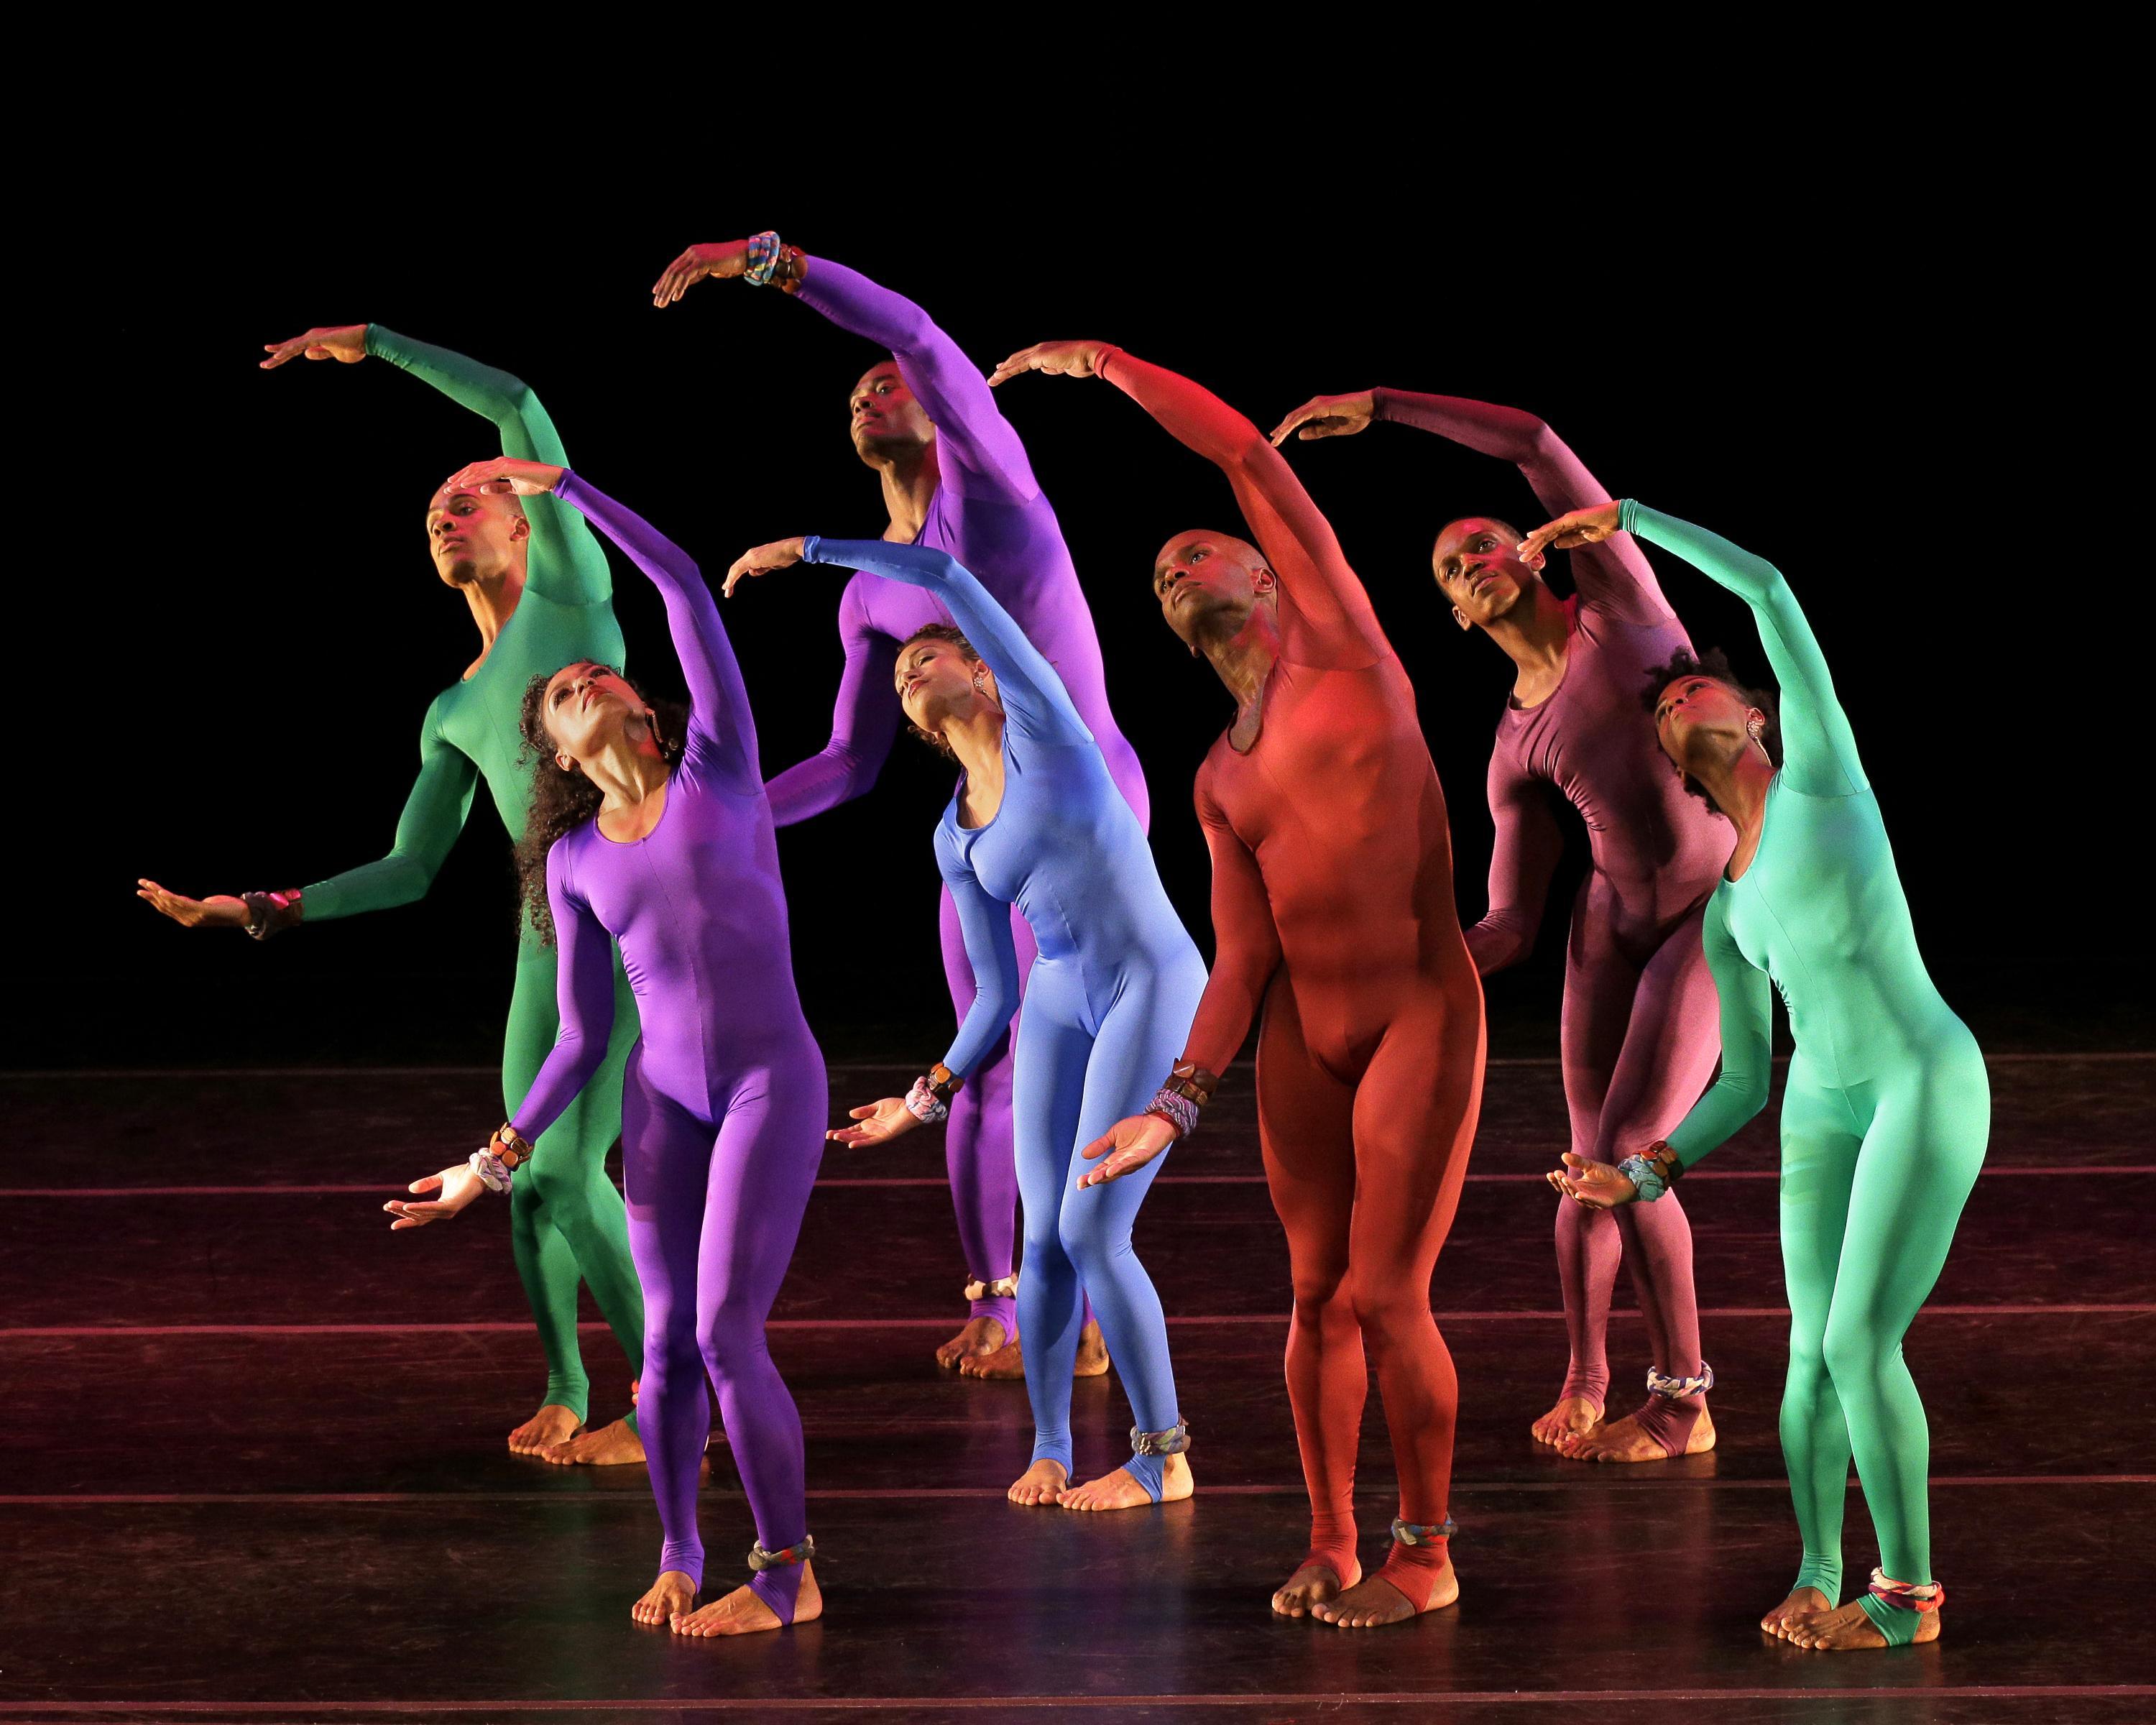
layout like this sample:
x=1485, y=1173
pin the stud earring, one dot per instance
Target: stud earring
x=981, y=680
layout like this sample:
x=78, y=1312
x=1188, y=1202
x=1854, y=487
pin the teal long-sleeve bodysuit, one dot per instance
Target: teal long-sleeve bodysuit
x=566, y=1222
x=1886, y=1113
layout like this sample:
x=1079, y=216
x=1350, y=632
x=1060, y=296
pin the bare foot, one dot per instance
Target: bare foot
x=670, y=1595
x=1627, y=1441
x=1372, y=1603
x=1119, y=1491
x=742, y=1612
x=981, y=1335
x=1574, y=1416
x=1851, y=1626
x=1802, y=1603
x=1040, y=1485
x=614, y=1445
x=1312, y=1585
x=552, y=1424
x=1008, y=1361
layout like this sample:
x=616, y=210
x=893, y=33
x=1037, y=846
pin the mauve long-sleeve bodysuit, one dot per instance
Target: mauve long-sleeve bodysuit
x=1639, y=1034
x=989, y=513
x=1333, y=911
x=724, y=1100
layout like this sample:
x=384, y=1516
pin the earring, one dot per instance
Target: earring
x=1752, y=729
x=980, y=680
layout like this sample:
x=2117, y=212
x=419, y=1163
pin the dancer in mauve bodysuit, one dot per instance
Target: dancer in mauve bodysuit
x=955, y=478
x=724, y=1100
x=1639, y=1036
x=1332, y=910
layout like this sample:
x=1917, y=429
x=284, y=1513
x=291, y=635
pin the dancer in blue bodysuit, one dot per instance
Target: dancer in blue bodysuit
x=1039, y=823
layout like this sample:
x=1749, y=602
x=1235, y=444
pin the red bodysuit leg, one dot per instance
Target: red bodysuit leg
x=1305, y=1130
x=1415, y=1112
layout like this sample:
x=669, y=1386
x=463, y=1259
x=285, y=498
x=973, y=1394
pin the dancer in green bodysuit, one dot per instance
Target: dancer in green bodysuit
x=1887, y=1108
x=542, y=596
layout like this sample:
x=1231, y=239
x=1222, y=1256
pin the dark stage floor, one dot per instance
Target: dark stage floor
x=255, y=1469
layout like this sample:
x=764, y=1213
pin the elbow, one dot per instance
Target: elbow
x=1497, y=945
x=1748, y=1092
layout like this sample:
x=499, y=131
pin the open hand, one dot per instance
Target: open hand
x=221, y=911
x=1592, y=1185
x=505, y=473
x=1328, y=416
x=1060, y=359
x=715, y=259
x=458, y=1186
x=1568, y=532
x=879, y=1123
x=765, y=559
x=345, y=343
x=1128, y=1145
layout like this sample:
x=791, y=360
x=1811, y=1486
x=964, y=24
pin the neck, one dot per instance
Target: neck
x=493, y=600
x=1245, y=658
x=1535, y=633
x=977, y=741
x=626, y=770
x=908, y=487
x=1738, y=785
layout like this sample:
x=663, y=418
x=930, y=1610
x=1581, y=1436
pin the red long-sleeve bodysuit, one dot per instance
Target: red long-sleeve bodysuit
x=1333, y=912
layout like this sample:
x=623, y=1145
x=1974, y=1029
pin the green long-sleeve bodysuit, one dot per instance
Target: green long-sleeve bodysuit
x=566, y=1216
x=1887, y=1111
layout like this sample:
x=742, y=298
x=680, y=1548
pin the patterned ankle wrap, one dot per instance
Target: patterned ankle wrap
x=1653, y=1172
x=1171, y=1442
x=1677, y=1389
x=1422, y=1533
x=1927, y=1596
x=800, y=1552
x=1004, y=1287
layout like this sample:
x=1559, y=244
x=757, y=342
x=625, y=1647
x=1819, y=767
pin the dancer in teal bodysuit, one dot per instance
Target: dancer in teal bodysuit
x=1887, y=1109
x=543, y=596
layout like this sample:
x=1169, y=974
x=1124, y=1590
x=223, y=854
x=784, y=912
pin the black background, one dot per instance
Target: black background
x=1855, y=370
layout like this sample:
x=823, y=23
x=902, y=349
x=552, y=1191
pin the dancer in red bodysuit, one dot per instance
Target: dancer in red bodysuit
x=1332, y=910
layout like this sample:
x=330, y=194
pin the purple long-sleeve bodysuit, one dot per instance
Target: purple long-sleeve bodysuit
x=724, y=1100
x=1640, y=1032
x=989, y=513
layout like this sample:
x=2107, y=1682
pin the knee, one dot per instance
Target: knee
x=731, y=1343
x=1388, y=1315
x=1321, y=1291
x=1852, y=1352
x=1090, y=1249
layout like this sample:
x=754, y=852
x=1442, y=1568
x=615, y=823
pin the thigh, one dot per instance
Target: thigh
x=1672, y=1039
x=1305, y=1132
x=1048, y=1091
x=1416, y=1113
x=768, y=1145
x=1599, y=983
x=665, y=1164
x=1819, y=1146
x=1138, y=1039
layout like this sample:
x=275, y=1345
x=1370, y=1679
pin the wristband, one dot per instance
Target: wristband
x=1177, y=1110
x=494, y=1173
x=764, y=251
x=929, y=1100
x=1653, y=1172
x=269, y=913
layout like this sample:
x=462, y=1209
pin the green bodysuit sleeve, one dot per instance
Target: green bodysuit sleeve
x=1818, y=750
x=565, y=563
x=1748, y=1046
x=434, y=815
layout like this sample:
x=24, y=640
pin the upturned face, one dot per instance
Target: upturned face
x=475, y=536
x=1478, y=571
x=885, y=420
x=1208, y=583
x=934, y=680
x=585, y=707
x=1698, y=718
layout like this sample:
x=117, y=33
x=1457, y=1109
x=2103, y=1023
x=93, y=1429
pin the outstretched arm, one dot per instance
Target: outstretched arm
x=434, y=815
x=583, y=991
x=1328, y=615
x=1819, y=748
x=1529, y=843
x=863, y=724
x=1747, y=1044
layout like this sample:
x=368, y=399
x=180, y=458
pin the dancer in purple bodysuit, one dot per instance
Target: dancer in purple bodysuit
x=724, y=1100
x=956, y=480
x=1640, y=1031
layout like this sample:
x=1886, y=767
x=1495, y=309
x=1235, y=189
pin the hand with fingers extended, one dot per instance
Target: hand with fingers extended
x=879, y=1123
x=1128, y=1145
x=458, y=1186
x=505, y=473
x=221, y=911
x=1568, y=532
x=344, y=342
x=716, y=259
x=1059, y=359
x=763, y=560
x=1328, y=416
x=1592, y=1185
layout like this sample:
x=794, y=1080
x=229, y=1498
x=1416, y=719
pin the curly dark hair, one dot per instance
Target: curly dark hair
x=561, y=802
x=957, y=638
x=1714, y=664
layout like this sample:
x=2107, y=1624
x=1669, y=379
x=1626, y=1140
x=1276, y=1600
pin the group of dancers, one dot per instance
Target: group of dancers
x=1735, y=844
